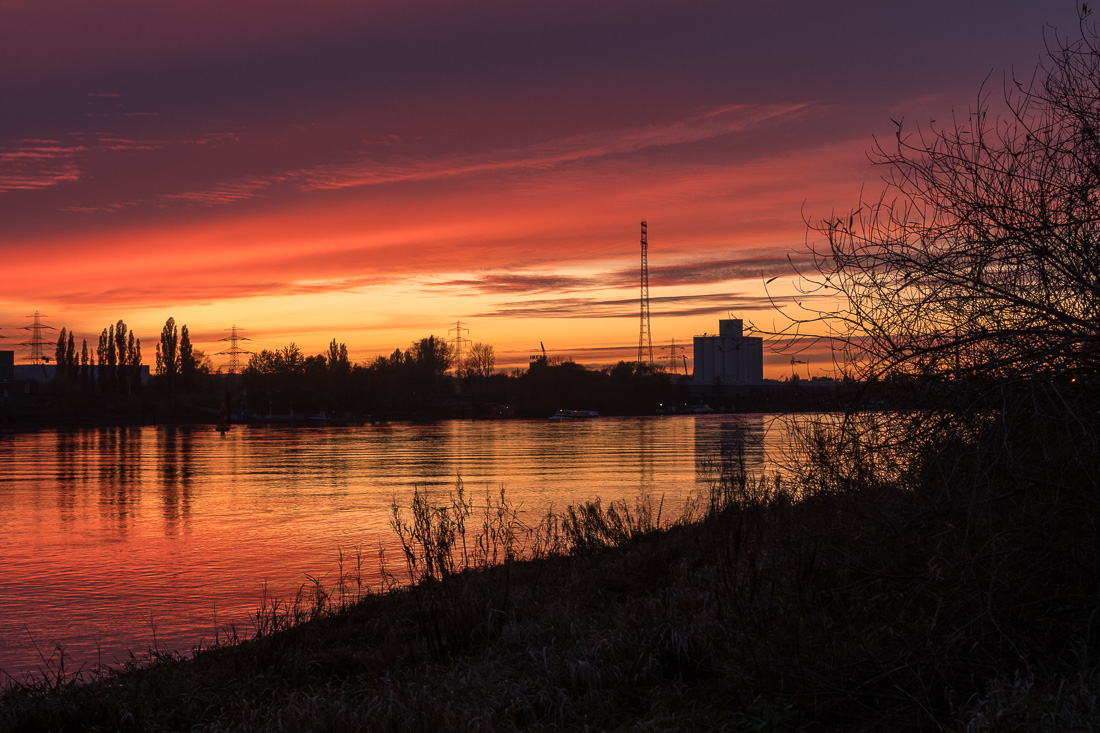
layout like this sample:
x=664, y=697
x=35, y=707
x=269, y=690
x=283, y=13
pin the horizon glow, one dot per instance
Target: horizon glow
x=377, y=172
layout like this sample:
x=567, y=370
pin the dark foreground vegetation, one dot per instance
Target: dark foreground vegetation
x=949, y=584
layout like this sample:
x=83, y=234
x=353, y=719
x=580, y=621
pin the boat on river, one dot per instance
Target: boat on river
x=574, y=415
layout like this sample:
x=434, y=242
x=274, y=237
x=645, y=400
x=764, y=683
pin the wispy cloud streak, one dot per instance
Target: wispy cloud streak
x=701, y=126
x=701, y=272
x=226, y=193
x=373, y=170
x=708, y=272
x=669, y=305
x=156, y=295
x=35, y=164
x=514, y=283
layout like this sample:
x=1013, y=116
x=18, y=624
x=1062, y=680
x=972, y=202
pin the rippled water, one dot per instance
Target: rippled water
x=115, y=539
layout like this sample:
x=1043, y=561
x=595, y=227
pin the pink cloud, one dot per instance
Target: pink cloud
x=36, y=164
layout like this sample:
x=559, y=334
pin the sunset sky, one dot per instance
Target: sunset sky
x=374, y=171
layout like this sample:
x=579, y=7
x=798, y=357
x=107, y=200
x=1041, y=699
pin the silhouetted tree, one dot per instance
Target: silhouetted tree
x=338, y=362
x=70, y=358
x=432, y=355
x=168, y=357
x=104, y=360
x=60, y=352
x=394, y=360
x=276, y=379
x=981, y=258
x=112, y=361
x=427, y=362
x=203, y=365
x=121, y=350
x=287, y=360
x=85, y=367
x=188, y=366
x=133, y=363
x=480, y=361
x=316, y=368
x=119, y=360
x=66, y=368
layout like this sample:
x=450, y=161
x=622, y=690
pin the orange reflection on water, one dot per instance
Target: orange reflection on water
x=115, y=539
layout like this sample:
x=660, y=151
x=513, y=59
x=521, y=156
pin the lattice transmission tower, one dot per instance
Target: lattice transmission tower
x=645, y=340
x=234, y=352
x=459, y=342
x=38, y=342
x=674, y=356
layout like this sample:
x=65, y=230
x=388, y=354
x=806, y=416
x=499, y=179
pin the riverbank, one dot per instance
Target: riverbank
x=857, y=610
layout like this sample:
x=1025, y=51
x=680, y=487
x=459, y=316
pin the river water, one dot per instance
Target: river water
x=118, y=539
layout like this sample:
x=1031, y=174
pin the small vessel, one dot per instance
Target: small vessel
x=574, y=414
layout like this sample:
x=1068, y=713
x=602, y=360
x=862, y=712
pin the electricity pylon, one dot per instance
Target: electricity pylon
x=37, y=341
x=233, y=366
x=673, y=358
x=459, y=342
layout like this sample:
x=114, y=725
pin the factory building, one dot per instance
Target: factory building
x=730, y=357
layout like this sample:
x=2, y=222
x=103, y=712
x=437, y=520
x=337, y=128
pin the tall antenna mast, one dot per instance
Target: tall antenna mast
x=37, y=342
x=645, y=341
x=233, y=366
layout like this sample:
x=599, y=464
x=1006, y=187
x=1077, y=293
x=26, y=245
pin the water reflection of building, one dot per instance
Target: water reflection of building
x=725, y=444
x=729, y=357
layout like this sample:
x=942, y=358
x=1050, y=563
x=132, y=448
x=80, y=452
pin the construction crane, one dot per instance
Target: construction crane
x=540, y=359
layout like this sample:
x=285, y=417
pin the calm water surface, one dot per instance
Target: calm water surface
x=112, y=539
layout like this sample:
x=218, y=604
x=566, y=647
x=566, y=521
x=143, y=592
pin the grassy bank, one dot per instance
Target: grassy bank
x=902, y=589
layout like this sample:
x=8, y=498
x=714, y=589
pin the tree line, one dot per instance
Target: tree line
x=114, y=367
x=285, y=380
x=429, y=378
x=180, y=365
